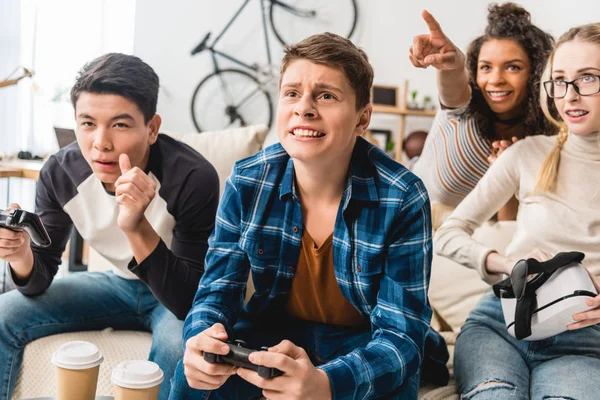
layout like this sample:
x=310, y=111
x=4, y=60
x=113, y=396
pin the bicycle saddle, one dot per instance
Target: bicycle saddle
x=202, y=45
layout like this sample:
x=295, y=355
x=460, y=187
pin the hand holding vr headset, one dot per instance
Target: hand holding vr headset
x=591, y=317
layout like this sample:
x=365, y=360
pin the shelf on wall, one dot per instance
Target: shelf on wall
x=402, y=112
x=399, y=111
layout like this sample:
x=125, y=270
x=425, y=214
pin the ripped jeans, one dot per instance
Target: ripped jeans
x=491, y=364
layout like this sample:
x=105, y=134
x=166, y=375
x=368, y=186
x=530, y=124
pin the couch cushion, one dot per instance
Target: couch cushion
x=454, y=289
x=449, y=392
x=223, y=148
x=37, y=377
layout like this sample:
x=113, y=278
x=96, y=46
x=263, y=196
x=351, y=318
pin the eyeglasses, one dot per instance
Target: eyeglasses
x=586, y=85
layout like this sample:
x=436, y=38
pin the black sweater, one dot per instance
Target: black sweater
x=182, y=213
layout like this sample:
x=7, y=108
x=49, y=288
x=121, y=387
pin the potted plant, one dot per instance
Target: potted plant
x=389, y=148
x=413, y=105
x=427, y=104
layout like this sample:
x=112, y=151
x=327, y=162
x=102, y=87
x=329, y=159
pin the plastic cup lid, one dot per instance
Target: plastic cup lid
x=77, y=355
x=137, y=374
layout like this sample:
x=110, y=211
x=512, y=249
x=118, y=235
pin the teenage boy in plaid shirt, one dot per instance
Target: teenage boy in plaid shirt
x=337, y=237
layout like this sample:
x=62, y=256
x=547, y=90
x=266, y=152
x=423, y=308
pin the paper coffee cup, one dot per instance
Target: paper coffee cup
x=77, y=366
x=137, y=380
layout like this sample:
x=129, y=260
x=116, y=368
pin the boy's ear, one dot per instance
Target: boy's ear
x=154, y=127
x=364, y=119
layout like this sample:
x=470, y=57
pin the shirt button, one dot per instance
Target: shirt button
x=295, y=229
x=358, y=268
x=261, y=251
x=291, y=268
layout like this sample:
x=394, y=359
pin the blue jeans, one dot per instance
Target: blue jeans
x=322, y=343
x=6, y=283
x=491, y=364
x=84, y=302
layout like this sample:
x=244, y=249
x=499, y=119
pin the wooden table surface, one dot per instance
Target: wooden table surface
x=20, y=169
x=9, y=172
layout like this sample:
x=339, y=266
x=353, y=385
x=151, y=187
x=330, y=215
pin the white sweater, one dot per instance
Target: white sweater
x=566, y=219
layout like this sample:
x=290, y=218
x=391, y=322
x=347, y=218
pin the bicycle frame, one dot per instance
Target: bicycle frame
x=215, y=52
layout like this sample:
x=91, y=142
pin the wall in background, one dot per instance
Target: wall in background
x=164, y=36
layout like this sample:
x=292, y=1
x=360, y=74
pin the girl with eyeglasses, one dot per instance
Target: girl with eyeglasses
x=488, y=100
x=557, y=182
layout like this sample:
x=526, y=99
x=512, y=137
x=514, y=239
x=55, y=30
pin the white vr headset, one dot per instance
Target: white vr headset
x=543, y=306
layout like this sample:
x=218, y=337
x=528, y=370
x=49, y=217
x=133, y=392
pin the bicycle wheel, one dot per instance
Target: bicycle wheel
x=230, y=98
x=294, y=20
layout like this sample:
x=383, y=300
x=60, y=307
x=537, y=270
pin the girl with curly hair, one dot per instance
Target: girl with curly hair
x=488, y=99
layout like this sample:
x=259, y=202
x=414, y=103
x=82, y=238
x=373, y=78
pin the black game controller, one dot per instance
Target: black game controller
x=238, y=356
x=20, y=220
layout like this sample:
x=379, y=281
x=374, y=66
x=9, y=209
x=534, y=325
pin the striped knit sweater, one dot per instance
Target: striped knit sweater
x=454, y=158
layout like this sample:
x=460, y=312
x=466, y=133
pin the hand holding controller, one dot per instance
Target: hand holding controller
x=238, y=356
x=19, y=220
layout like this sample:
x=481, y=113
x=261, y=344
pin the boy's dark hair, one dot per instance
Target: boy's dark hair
x=123, y=75
x=512, y=22
x=338, y=52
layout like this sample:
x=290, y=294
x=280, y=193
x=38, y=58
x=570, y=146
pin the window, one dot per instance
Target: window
x=55, y=39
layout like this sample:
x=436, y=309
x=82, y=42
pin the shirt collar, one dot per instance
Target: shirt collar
x=360, y=186
x=361, y=182
x=287, y=184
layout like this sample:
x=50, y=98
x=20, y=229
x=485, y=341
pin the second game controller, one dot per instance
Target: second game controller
x=238, y=356
x=21, y=220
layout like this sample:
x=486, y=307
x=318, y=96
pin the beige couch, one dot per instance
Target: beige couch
x=451, y=302
x=453, y=292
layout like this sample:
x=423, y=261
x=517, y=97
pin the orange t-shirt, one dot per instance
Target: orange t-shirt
x=315, y=294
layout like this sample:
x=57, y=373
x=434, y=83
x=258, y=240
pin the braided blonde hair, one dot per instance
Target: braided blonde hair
x=546, y=178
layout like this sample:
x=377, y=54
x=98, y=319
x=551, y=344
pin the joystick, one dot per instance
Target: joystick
x=20, y=220
x=238, y=356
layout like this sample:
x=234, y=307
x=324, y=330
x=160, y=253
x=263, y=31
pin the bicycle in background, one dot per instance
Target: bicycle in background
x=231, y=97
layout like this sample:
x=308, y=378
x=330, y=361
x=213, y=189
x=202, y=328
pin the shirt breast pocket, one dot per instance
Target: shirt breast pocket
x=263, y=255
x=368, y=269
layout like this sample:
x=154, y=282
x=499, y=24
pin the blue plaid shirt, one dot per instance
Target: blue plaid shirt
x=381, y=252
